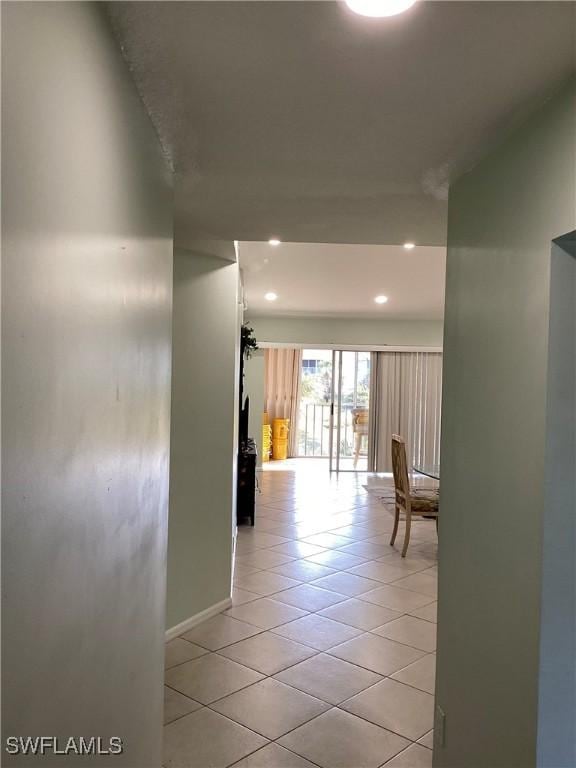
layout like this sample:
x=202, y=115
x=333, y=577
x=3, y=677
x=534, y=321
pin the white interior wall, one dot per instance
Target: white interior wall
x=86, y=304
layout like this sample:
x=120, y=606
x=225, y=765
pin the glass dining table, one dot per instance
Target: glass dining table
x=430, y=470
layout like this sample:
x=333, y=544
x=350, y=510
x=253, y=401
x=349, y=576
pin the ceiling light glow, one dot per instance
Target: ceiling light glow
x=270, y=296
x=409, y=246
x=379, y=8
x=381, y=299
x=274, y=241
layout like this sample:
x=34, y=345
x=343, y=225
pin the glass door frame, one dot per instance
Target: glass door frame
x=336, y=407
x=336, y=360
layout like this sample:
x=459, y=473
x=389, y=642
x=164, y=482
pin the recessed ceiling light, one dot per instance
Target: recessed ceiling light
x=270, y=296
x=381, y=299
x=379, y=8
x=274, y=241
x=409, y=246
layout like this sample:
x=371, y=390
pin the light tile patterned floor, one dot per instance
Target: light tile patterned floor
x=327, y=656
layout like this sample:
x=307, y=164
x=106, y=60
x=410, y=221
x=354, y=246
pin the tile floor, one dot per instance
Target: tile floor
x=326, y=657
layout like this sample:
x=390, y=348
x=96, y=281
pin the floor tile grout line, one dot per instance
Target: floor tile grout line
x=266, y=745
x=334, y=647
x=396, y=733
x=167, y=685
x=327, y=529
x=316, y=653
x=345, y=570
x=378, y=583
x=200, y=706
x=270, y=741
x=365, y=669
x=307, y=722
x=361, y=630
x=334, y=706
x=180, y=663
x=329, y=706
x=318, y=611
x=274, y=741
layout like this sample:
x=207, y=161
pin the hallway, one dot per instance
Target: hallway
x=327, y=656
x=145, y=146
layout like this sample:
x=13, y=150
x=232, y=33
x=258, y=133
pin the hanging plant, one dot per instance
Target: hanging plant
x=248, y=342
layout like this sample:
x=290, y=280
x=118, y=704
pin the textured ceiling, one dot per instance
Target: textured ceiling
x=337, y=279
x=305, y=121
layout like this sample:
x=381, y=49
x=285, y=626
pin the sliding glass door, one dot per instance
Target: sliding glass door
x=315, y=404
x=342, y=401
x=334, y=407
x=349, y=412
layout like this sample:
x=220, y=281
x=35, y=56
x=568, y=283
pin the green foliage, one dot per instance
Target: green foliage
x=317, y=387
x=248, y=342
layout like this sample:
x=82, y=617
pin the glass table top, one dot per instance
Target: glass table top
x=430, y=470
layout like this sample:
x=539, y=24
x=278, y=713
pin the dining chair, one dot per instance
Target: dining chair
x=422, y=501
x=360, y=429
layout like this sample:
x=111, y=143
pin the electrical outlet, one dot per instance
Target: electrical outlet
x=439, y=727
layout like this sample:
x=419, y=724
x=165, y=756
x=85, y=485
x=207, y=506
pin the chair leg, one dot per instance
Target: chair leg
x=395, y=529
x=357, y=439
x=407, y=534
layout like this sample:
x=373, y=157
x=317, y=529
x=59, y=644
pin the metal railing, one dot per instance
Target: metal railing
x=314, y=430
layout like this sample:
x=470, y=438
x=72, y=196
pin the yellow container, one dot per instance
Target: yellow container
x=266, y=442
x=279, y=449
x=280, y=429
x=265, y=419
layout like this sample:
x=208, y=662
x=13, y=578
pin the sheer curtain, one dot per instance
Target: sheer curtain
x=405, y=399
x=283, y=375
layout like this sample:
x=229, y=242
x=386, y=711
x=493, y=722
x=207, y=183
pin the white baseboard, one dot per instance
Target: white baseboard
x=198, y=618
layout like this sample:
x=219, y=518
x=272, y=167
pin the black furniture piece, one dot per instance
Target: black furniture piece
x=246, y=491
x=246, y=482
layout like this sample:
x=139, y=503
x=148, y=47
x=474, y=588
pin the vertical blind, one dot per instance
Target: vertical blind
x=406, y=399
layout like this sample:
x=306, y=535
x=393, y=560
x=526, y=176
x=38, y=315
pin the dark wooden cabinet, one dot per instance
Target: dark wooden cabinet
x=246, y=494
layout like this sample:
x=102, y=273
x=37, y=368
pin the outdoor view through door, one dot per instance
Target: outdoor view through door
x=345, y=405
x=334, y=408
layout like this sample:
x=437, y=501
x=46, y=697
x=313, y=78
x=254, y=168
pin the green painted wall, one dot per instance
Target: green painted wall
x=86, y=346
x=338, y=330
x=557, y=690
x=503, y=216
x=203, y=434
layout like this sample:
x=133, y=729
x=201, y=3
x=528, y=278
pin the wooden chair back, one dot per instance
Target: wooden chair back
x=400, y=471
x=360, y=420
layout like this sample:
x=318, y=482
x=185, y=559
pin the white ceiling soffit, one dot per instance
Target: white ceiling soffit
x=308, y=122
x=342, y=280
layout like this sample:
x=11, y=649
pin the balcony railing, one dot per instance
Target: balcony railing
x=314, y=430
